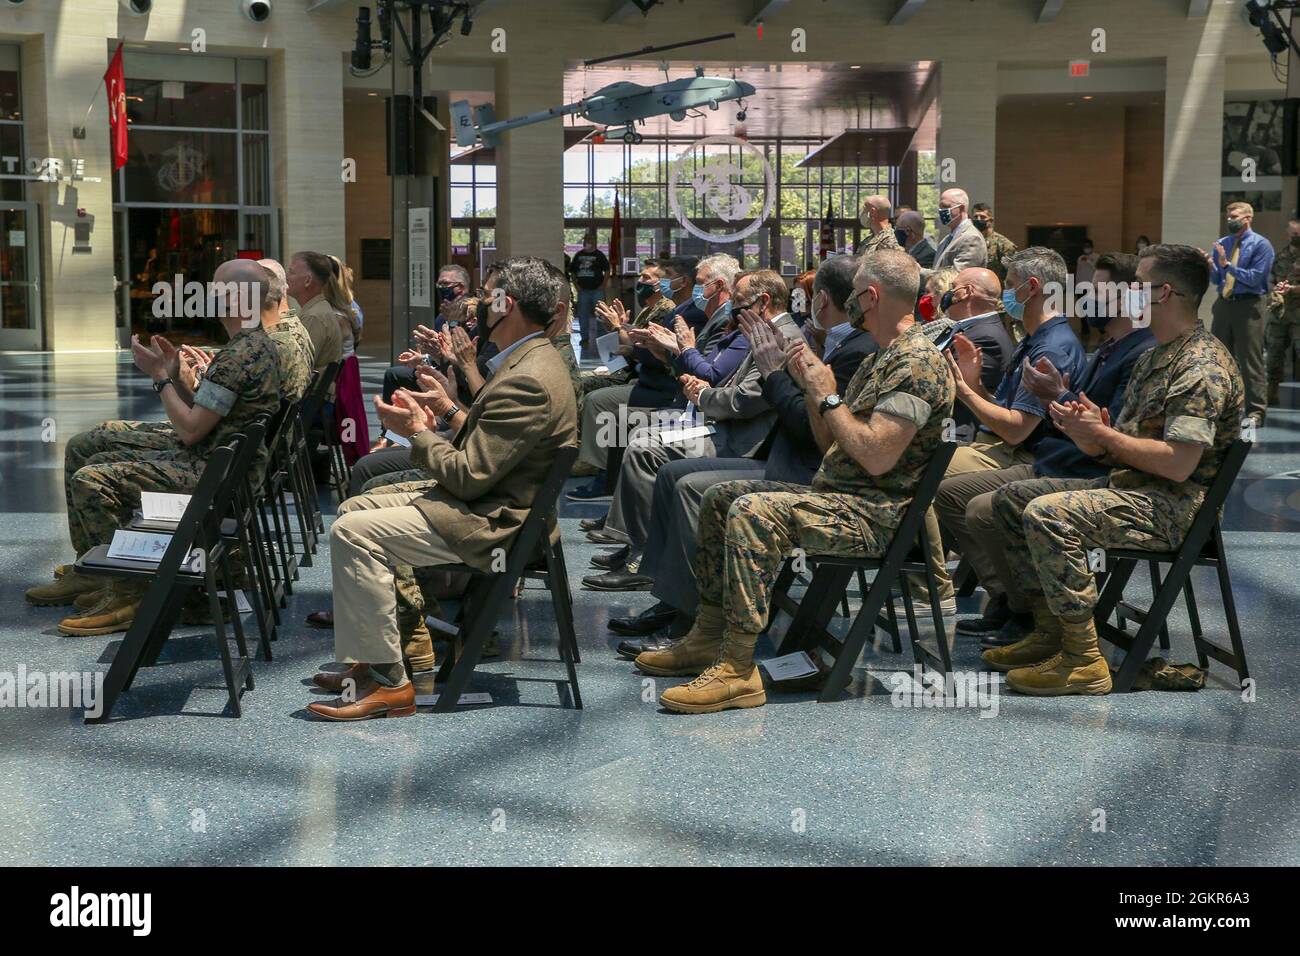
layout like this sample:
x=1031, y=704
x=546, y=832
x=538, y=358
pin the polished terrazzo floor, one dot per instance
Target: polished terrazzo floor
x=1182, y=778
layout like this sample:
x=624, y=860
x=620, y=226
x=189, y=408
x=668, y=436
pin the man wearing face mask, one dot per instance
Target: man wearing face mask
x=965, y=502
x=973, y=301
x=1284, y=322
x=911, y=236
x=654, y=303
x=486, y=477
x=999, y=246
x=656, y=384
x=962, y=247
x=875, y=215
x=1240, y=264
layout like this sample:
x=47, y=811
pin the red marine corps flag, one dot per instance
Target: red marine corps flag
x=115, y=82
x=827, y=245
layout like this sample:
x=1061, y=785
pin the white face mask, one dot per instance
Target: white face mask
x=864, y=217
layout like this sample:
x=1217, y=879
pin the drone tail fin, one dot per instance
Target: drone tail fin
x=485, y=116
x=463, y=123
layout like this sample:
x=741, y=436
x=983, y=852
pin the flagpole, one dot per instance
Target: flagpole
x=79, y=132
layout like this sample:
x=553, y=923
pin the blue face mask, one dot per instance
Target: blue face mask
x=945, y=215
x=1015, y=309
x=666, y=288
x=697, y=297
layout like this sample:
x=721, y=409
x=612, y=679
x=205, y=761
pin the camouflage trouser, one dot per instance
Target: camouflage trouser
x=1282, y=339
x=747, y=528
x=118, y=436
x=106, y=490
x=416, y=598
x=1049, y=524
x=590, y=381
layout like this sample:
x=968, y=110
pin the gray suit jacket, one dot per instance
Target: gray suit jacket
x=737, y=409
x=962, y=249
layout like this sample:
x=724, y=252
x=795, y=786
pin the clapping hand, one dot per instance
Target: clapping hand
x=1220, y=254
x=685, y=334
x=813, y=375
x=439, y=390
x=966, y=364
x=1083, y=422
x=406, y=416
x=1043, y=380
x=768, y=353
x=152, y=361
x=193, y=363
x=613, y=313
x=426, y=337
x=692, y=387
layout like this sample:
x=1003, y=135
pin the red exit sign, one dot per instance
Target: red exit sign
x=1080, y=67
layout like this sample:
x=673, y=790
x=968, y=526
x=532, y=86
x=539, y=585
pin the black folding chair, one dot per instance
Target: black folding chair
x=309, y=420
x=1203, y=546
x=906, y=555
x=193, y=556
x=489, y=592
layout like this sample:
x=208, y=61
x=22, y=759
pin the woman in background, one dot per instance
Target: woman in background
x=351, y=427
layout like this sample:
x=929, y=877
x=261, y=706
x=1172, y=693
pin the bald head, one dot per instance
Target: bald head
x=239, y=286
x=974, y=292
x=956, y=205
x=913, y=223
x=876, y=211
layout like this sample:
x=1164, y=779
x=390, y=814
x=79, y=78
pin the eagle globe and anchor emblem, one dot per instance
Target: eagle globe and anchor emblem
x=717, y=184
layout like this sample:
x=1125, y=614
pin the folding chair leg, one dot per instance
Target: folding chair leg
x=237, y=622
x=1155, y=589
x=1230, y=609
x=893, y=625
x=842, y=670
x=913, y=635
x=223, y=650
x=136, y=643
x=1146, y=635
x=940, y=632
x=1198, y=636
x=557, y=581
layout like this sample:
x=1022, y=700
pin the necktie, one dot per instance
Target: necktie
x=1230, y=282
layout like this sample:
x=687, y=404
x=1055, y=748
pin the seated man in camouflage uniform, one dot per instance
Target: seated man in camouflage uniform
x=878, y=440
x=1182, y=410
x=242, y=383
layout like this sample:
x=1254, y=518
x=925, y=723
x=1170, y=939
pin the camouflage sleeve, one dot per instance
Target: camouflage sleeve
x=903, y=393
x=1193, y=403
x=222, y=382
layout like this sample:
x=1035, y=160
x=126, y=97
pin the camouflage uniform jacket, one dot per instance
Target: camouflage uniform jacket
x=242, y=383
x=884, y=239
x=1283, y=262
x=1000, y=247
x=293, y=346
x=908, y=379
x=1187, y=390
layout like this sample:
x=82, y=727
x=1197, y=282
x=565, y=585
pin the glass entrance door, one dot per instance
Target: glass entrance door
x=20, y=277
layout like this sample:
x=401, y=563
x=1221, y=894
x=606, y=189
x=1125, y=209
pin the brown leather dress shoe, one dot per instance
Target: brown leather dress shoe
x=321, y=620
x=374, y=700
x=332, y=681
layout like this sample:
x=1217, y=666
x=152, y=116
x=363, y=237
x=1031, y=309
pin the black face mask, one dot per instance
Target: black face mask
x=945, y=300
x=644, y=290
x=446, y=293
x=983, y=225
x=901, y=236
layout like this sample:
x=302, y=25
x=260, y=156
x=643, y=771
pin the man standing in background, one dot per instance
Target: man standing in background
x=1240, y=264
x=589, y=270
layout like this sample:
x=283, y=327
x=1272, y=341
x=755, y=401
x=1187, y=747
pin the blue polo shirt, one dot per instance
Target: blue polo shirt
x=1055, y=341
x=1253, y=265
x=1105, y=382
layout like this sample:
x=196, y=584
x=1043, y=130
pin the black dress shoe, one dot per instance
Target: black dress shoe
x=611, y=560
x=1017, y=628
x=652, y=619
x=618, y=581
x=995, y=615
x=601, y=537
x=592, y=524
x=629, y=649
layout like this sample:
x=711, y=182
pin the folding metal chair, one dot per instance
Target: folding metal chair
x=192, y=559
x=1202, y=546
x=489, y=592
x=832, y=573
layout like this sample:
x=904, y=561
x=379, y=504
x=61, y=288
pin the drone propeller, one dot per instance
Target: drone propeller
x=658, y=49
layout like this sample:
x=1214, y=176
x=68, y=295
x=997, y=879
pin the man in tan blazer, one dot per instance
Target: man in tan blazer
x=487, y=475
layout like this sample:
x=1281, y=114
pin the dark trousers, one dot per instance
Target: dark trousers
x=398, y=376
x=1241, y=325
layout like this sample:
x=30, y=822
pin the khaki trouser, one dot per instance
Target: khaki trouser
x=979, y=456
x=371, y=535
x=965, y=506
x=1240, y=324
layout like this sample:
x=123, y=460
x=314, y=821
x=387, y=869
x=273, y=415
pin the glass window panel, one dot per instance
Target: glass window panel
x=575, y=164
x=485, y=202
x=462, y=201
x=180, y=103
x=257, y=169
x=252, y=91
x=462, y=174
x=11, y=145
x=485, y=173
x=11, y=106
x=257, y=235
x=647, y=203
x=576, y=202
x=165, y=166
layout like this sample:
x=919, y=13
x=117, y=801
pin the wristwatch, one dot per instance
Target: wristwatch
x=829, y=402
x=159, y=386
x=446, y=417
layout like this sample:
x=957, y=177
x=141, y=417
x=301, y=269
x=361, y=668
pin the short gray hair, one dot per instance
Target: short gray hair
x=462, y=274
x=529, y=281
x=1041, y=263
x=720, y=266
x=274, y=288
x=894, y=272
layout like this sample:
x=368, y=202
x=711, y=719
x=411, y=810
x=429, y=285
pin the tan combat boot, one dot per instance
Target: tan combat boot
x=114, y=613
x=1037, y=646
x=732, y=681
x=1079, y=668
x=693, y=653
x=64, y=590
x=88, y=599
